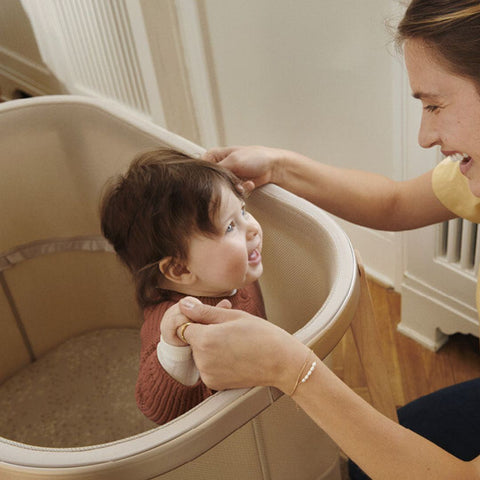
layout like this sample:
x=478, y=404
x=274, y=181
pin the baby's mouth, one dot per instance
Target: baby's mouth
x=254, y=256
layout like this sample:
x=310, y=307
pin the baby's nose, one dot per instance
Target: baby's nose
x=252, y=231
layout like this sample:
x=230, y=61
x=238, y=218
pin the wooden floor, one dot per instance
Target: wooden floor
x=414, y=371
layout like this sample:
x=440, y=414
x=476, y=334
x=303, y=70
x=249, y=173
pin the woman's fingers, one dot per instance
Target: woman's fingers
x=249, y=186
x=170, y=326
x=181, y=329
x=216, y=155
x=196, y=311
x=224, y=304
x=245, y=352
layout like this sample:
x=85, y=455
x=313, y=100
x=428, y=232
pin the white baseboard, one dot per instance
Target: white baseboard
x=429, y=315
x=427, y=342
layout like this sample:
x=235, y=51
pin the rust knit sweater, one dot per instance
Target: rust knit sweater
x=159, y=396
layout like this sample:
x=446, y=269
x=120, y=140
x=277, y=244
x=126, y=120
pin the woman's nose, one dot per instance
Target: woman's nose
x=427, y=134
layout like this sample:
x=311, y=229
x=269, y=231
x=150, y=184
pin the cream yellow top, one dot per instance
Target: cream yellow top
x=452, y=189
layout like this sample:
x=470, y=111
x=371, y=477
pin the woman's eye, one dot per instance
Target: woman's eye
x=431, y=108
x=244, y=212
x=230, y=227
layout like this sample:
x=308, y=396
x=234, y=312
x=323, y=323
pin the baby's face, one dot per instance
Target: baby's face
x=231, y=259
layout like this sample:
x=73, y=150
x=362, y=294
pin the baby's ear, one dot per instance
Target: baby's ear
x=175, y=271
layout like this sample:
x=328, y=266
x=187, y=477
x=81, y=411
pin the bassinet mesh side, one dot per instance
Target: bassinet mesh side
x=73, y=145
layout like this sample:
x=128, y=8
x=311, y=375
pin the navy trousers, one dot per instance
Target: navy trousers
x=449, y=418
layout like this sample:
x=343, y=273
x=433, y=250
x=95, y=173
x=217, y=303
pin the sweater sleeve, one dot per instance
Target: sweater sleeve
x=178, y=362
x=159, y=396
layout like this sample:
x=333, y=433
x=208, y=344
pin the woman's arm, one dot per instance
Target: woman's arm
x=383, y=448
x=360, y=197
x=239, y=350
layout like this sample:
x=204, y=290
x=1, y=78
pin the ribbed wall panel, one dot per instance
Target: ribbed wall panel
x=102, y=57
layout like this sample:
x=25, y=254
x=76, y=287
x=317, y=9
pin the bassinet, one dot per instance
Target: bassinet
x=65, y=295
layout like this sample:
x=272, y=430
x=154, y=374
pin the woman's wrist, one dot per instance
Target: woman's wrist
x=285, y=165
x=291, y=370
x=280, y=161
x=305, y=372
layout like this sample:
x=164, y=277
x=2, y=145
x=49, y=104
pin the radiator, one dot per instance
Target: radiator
x=439, y=282
x=458, y=244
x=98, y=48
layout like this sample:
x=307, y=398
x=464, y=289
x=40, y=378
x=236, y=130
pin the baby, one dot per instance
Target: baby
x=180, y=226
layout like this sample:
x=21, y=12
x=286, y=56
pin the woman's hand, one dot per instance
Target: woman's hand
x=171, y=322
x=255, y=165
x=235, y=349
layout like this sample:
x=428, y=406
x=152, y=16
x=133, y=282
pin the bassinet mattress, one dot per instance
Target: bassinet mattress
x=81, y=393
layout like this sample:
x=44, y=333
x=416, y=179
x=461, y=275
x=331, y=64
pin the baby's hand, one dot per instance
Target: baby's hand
x=171, y=321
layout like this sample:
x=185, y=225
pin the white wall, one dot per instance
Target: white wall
x=21, y=65
x=317, y=77
x=308, y=75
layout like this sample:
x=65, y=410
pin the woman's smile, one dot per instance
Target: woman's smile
x=465, y=160
x=465, y=165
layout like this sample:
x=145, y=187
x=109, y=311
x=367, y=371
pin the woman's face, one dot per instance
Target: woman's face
x=451, y=109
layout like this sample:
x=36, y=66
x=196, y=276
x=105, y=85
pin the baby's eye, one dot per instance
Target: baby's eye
x=230, y=227
x=244, y=212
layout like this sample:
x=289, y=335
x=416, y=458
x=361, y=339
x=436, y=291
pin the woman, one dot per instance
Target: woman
x=441, y=41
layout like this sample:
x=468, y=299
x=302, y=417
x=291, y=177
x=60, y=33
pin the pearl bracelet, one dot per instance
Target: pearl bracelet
x=312, y=368
x=307, y=375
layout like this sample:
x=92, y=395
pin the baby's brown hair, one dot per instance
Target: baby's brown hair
x=152, y=211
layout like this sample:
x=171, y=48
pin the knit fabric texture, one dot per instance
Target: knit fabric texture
x=159, y=396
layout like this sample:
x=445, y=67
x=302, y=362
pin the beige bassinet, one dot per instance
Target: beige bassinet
x=69, y=325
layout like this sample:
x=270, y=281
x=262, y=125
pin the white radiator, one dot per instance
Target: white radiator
x=439, y=282
x=98, y=48
x=459, y=245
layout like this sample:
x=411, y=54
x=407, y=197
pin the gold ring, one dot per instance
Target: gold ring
x=182, y=332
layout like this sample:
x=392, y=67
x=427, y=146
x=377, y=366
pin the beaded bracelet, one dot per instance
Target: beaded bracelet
x=307, y=375
x=312, y=368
